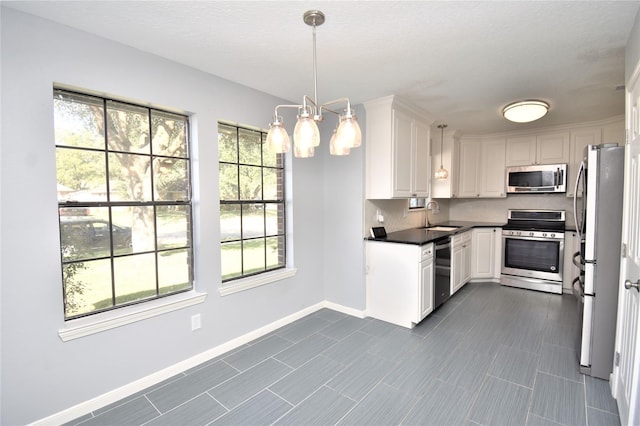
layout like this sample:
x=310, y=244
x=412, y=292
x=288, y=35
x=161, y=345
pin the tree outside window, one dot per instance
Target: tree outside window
x=124, y=202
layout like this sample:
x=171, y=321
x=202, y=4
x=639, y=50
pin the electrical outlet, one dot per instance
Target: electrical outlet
x=196, y=322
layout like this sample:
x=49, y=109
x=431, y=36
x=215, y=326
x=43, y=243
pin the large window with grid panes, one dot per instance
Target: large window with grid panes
x=124, y=202
x=252, y=203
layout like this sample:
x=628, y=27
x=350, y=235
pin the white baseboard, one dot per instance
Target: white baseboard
x=139, y=385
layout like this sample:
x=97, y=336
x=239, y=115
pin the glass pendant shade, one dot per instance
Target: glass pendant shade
x=303, y=152
x=349, y=133
x=442, y=173
x=277, y=138
x=335, y=147
x=306, y=133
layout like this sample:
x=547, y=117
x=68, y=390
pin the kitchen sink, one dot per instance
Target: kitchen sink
x=442, y=228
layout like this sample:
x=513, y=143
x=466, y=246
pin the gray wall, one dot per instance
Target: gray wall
x=41, y=375
x=341, y=204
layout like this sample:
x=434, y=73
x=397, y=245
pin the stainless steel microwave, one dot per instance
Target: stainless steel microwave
x=537, y=179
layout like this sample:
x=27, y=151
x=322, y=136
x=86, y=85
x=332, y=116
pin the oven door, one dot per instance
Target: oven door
x=532, y=257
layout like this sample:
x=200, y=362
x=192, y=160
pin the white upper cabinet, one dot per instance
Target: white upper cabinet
x=548, y=148
x=481, y=169
x=468, y=168
x=521, y=151
x=398, y=164
x=492, y=168
x=402, y=146
x=580, y=138
x=423, y=166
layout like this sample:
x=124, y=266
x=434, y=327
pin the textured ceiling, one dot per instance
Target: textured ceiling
x=460, y=61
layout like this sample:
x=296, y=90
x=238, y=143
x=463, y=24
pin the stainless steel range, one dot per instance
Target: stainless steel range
x=533, y=250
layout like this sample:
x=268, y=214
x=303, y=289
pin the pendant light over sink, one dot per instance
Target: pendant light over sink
x=441, y=173
x=306, y=135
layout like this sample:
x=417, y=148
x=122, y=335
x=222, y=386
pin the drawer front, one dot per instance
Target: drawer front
x=426, y=252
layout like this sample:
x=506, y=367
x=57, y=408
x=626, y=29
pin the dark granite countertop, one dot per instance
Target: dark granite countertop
x=421, y=236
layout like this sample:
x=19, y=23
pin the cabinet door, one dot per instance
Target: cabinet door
x=483, y=253
x=492, y=169
x=457, y=268
x=421, y=161
x=552, y=148
x=402, y=153
x=521, y=151
x=468, y=170
x=466, y=261
x=426, y=288
x=579, y=140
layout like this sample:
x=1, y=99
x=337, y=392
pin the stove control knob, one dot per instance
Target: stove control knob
x=553, y=235
x=531, y=234
x=518, y=233
x=544, y=234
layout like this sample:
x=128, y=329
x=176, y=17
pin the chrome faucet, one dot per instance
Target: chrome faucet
x=430, y=206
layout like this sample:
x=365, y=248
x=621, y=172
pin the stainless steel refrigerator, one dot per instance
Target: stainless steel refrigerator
x=598, y=219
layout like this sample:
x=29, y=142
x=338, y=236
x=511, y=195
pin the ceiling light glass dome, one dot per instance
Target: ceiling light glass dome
x=525, y=111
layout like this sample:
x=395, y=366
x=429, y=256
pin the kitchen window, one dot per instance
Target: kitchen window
x=124, y=203
x=252, y=204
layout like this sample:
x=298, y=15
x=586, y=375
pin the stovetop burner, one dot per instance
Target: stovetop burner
x=535, y=220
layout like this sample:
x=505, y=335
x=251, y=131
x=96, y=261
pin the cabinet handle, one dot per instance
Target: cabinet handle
x=628, y=284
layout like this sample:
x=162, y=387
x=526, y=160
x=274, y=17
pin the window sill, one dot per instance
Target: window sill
x=256, y=281
x=82, y=327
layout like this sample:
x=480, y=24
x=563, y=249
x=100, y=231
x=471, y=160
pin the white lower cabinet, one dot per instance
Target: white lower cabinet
x=460, y=260
x=486, y=249
x=399, y=282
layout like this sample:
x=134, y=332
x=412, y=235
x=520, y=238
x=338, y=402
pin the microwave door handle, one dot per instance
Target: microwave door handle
x=559, y=177
x=575, y=200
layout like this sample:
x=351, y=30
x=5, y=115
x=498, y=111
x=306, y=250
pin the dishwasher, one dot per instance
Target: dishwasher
x=442, y=287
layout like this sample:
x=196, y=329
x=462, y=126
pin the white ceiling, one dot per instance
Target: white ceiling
x=460, y=61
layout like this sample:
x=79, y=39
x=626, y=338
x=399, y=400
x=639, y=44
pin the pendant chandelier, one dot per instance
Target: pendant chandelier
x=306, y=135
x=441, y=173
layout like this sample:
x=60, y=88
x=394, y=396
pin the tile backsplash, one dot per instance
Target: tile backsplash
x=495, y=209
x=397, y=216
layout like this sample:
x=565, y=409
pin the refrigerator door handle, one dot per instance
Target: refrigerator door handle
x=577, y=260
x=577, y=288
x=575, y=200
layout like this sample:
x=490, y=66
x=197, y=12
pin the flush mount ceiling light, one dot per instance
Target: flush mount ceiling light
x=306, y=135
x=441, y=173
x=525, y=111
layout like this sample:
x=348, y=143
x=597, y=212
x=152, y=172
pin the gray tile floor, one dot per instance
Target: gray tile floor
x=491, y=355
